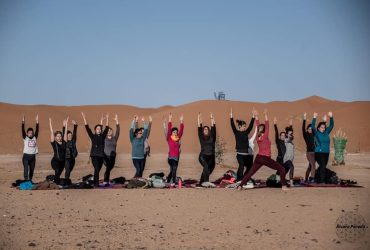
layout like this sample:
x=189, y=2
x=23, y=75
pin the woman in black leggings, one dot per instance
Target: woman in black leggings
x=58, y=142
x=97, y=146
x=207, y=157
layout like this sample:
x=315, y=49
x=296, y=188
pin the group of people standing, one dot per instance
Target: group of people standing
x=104, y=143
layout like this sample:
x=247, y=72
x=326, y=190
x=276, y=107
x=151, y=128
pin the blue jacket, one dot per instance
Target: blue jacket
x=322, y=140
x=138, y=144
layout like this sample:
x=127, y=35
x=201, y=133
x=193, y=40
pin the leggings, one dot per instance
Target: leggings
x=139, y=166
x=173, y=170
x=289, y=167
x=97, y=162
x=267, y=161
x=244, y=161
x=311, y=164
x=322, y=159
x=208, y=163
x=58, y=167
x=109, y=163
x=70, y=163
x=29, y=162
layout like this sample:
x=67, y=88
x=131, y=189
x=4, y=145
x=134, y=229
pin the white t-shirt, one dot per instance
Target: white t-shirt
x=30, y=146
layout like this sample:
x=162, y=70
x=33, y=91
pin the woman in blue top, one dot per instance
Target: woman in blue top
x=322, y=142
x=137, y=138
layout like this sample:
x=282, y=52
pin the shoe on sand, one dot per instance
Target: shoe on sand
x=284, y=188
x=208, y=184
x=249, y=185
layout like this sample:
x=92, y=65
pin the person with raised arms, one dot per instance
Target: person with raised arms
x=207, y=156
x=263, y=157
x=97, y=146
x=30, y=149
x=174, y=136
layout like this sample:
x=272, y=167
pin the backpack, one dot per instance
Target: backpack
x=26, y=185
x=119, y=180
x=273, y=181
x=330, y=176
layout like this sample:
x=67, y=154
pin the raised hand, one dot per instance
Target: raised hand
x=325, y=118
x=84, y=117
x=305, y=116
x=170, y=117
x=37, y=118
x=116, y=118
x=150, y=119
x=315, y=115
x=330, y=114
x=182, y=118
x=254, y=112
x=74, y=122
x=143, y=119
x=231, y=113
x=291, y=122
x=275, y=121
x=23, y=119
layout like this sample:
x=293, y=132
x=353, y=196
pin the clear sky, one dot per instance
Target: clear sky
x=153, y=53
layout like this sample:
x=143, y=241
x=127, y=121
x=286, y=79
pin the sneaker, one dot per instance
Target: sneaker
x=208, y=184
x=249, y=185
x=284, y=188
x=291, y=183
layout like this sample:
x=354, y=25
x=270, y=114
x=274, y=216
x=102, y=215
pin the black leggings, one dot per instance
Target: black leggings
x=208, y=163
x=29, y=163
x=58, y=167
x=322, y=159
x=139, y=166
x=97, y=162
x=109, y=163
x=244, y=161
x=70, y=163
x=173, y=170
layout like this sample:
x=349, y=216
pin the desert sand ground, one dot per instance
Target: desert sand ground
x=178, y=218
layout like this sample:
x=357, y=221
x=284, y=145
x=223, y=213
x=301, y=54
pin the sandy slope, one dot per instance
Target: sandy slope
x=352, y=117
x=178, y=219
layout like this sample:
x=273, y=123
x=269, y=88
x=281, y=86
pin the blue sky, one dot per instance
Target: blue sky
x=153, y=53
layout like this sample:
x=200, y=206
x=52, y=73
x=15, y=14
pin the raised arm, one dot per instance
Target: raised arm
x=51, y=131
x=232, y=122
x=251, y=123
x=181, y=132
x=23, y=128
x=131, y=131
x=165, y=128
x=276, y=130
x=146, y=131
x=88, y=130
x=331, y=122
x=150, y=125
x=313, y=123
x=37, y=127
x=213, y=126
x=267, y=124
x=169, y=126
x=74, y=136
x=64, y=135
x=304, y=125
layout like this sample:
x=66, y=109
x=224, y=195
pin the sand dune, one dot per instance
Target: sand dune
x=352, y=117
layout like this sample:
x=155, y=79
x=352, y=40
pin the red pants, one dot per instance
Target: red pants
x=267, y=161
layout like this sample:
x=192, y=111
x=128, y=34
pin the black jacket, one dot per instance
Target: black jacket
x=97, y=142
x=280, y=145
x=241, y=137
x=59, y=150
x=308, y=138
x=71, y=148
x=207, y=144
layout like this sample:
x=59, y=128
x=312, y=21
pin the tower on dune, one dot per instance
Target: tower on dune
x=220, y=96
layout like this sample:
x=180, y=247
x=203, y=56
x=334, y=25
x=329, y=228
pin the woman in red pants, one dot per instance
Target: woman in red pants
x=264, y=155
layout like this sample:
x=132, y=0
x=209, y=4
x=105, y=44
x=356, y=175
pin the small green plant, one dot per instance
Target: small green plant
x=220, y=150
x=340, y=143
